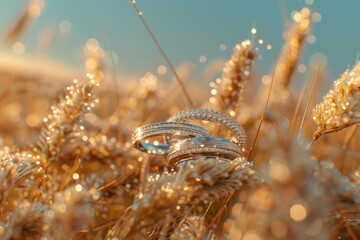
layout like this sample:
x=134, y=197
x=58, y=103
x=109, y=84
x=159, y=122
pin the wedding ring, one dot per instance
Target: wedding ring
x=216, y=117
x=203, y=147
x=170, y=131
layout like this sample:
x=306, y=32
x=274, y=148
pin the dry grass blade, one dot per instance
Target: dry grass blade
x=349, y=136
x=340, y=108
x=117, y=181
x=292, y=128
x=308, y=101
x=263, y=114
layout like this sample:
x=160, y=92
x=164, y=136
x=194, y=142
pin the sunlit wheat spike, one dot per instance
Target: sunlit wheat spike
x=193, y=228
x=178, y=193
x=236, y=74
x=62, y=125
x=340, y=107
x=291, y=51
x=209, y=182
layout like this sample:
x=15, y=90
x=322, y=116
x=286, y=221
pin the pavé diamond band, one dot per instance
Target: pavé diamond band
x=203, y=147
x=142, y=136
x=216, y=117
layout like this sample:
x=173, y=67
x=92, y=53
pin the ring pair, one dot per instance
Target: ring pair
x=183, y=142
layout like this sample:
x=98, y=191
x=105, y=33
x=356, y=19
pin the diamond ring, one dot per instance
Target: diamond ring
x=203, y=147
x=163, y=135
x=216, y=117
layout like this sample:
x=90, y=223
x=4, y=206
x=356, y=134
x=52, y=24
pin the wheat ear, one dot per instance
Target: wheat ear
x=340, y=107
x=236, y=74
x=62, y=126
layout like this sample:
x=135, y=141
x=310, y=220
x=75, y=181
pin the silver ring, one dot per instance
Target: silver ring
x=170, y=131
x=203, y=147
x=216, y=117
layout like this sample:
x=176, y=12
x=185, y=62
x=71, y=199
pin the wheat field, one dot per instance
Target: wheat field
x=68, y=169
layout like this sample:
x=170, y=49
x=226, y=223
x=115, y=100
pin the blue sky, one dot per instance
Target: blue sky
x=187, y=29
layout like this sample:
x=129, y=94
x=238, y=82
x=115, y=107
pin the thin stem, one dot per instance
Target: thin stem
x=296, y=112
x=263, y=114
x=221, y=210
x=283, y=12
x=345, y=146
x=208, y=208
x=349, y=136
x=308, y=102
x=116, y=85
x=144, y=170
x=182, y=85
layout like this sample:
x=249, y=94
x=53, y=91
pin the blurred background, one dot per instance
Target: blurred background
x=196, y=33
x=46, y=44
